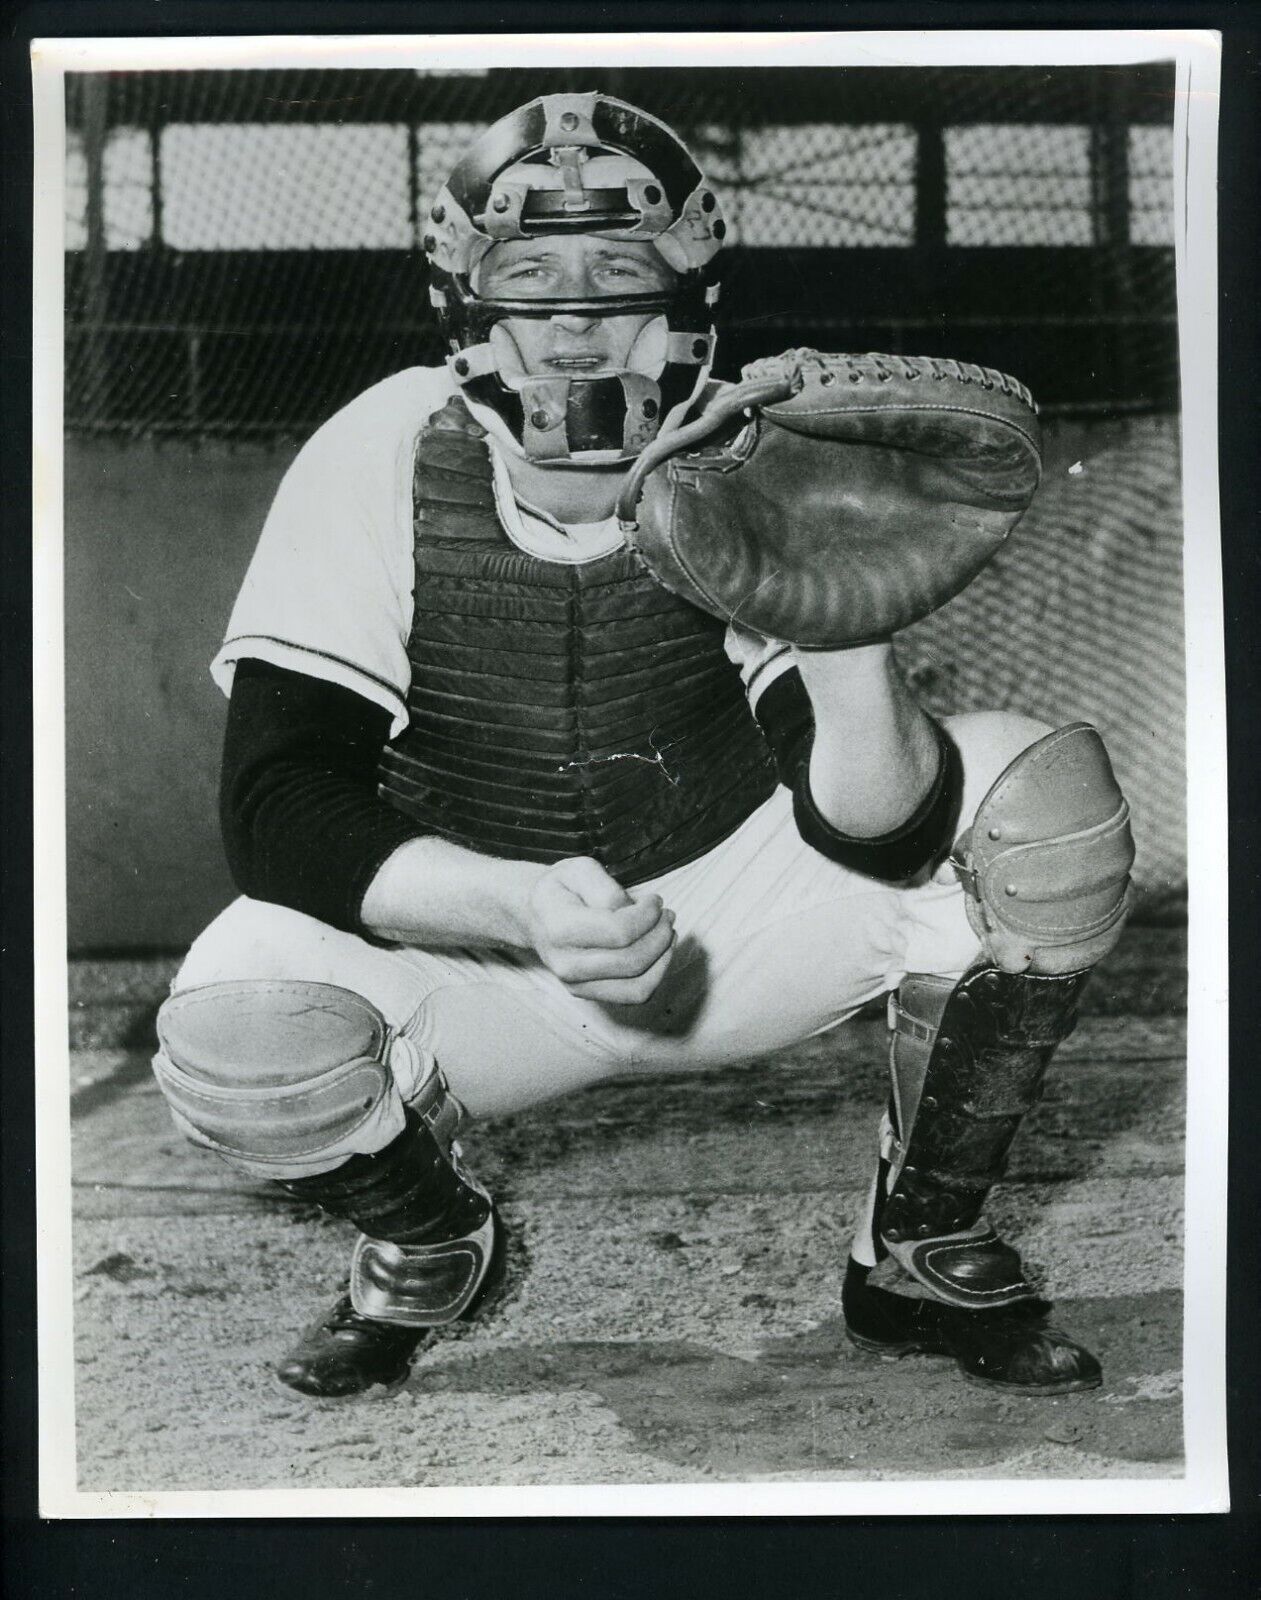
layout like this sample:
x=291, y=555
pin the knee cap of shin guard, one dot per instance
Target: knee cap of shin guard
x=272, y=1071
x=1046, y=862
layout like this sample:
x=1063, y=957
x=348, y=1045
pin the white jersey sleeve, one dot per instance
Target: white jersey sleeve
x=329, y=591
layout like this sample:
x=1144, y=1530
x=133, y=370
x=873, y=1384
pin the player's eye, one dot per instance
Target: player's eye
x=637, y=274
x=519, y=274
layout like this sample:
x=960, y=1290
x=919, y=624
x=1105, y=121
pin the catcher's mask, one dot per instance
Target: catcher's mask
x=565, y=164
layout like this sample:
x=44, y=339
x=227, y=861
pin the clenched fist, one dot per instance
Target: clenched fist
x=602, y=944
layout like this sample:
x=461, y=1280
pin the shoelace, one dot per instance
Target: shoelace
x=343, y=1321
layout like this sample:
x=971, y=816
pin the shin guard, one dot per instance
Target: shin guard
x=1045, y=869
x=429, y=1234
x=303, y=1083
x=967, y=1062
x=282, y=1077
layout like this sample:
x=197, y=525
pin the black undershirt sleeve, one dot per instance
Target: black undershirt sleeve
x=908, y=853
x=786, y=718
x=302, y=822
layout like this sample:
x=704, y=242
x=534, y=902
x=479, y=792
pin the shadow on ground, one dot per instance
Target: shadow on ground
x=812, y=1403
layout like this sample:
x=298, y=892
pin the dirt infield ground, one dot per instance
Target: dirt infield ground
x=673, y=1314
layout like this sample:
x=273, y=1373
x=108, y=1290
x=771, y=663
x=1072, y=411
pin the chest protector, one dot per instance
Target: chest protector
x=560, y=710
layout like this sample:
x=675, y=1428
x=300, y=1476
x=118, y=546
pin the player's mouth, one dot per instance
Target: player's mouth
x=583, y=363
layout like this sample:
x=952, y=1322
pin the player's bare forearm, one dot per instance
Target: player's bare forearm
x=601, y=942
x=434, y=893
x=875, y=754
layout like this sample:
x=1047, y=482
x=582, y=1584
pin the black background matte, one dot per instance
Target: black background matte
x=988, y=1558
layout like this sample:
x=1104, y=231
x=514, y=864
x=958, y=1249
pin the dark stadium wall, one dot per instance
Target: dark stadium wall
x=157, y=540
x=1079, y=617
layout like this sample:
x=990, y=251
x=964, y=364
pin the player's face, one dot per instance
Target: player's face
x=576, y=267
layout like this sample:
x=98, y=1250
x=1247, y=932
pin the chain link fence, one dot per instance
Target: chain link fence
x=243, y=248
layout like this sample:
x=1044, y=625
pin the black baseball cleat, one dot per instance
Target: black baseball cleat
x=345, y=1353
x=1012, y=1348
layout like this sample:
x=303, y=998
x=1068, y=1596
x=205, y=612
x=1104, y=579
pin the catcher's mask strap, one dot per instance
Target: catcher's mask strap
x=743, y=396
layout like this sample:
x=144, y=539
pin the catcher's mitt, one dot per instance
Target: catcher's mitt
x=834, y=499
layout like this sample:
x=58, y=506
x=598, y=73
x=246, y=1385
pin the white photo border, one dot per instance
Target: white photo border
x=1204, y=1485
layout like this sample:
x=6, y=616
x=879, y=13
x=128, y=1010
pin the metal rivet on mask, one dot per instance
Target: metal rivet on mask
x=569, y=121
x=700, y=347
x=1012, y=890
x=996, y=833
x=540, y=420
x=652, y=194
x=720, y=230
x=438, y=214
x=430, y=244
x=649, y=409
x=826, y=378
x=500, y=203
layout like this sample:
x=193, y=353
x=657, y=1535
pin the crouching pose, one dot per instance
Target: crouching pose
x=565, y=741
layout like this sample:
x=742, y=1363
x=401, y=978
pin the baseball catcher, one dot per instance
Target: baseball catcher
x=566, y=741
